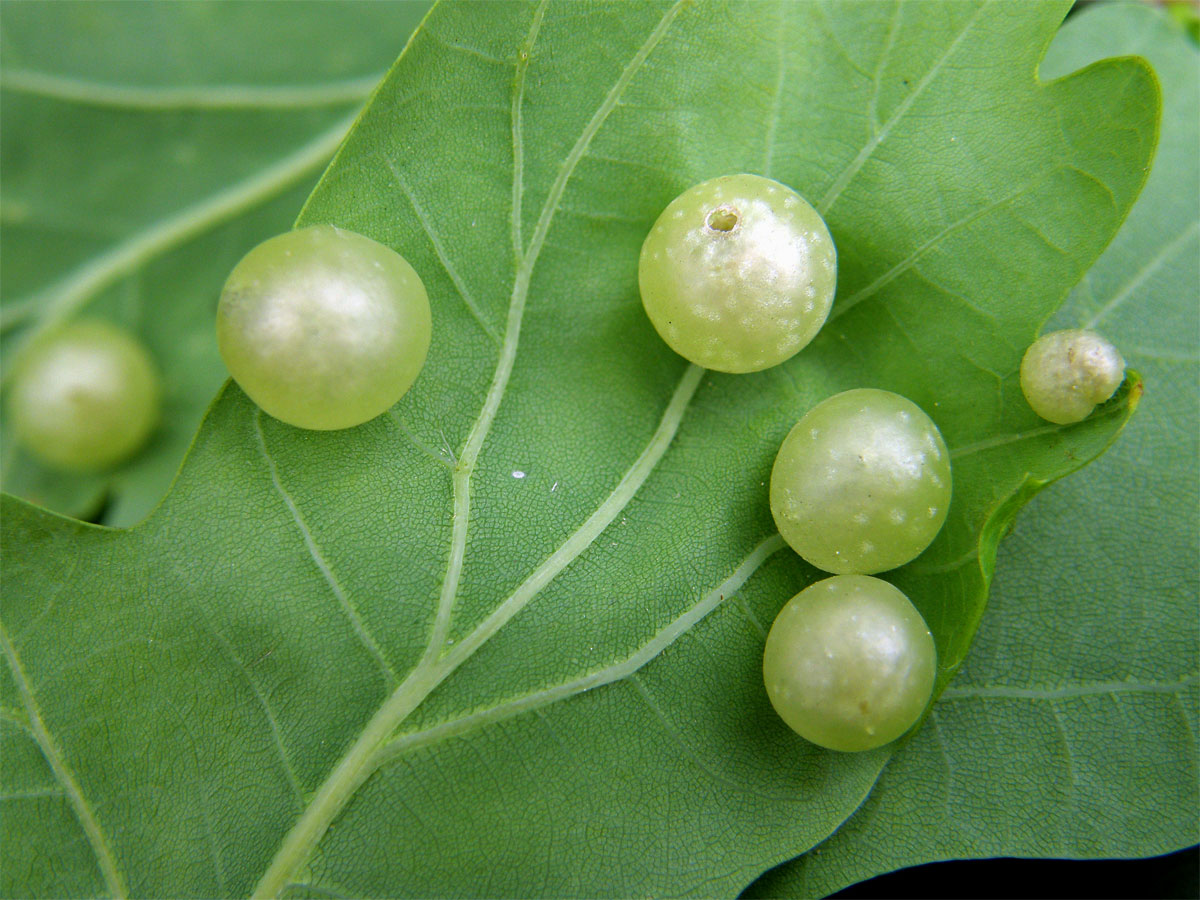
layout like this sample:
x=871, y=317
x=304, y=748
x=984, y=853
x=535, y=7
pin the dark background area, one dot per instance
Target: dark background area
x=1176, y=875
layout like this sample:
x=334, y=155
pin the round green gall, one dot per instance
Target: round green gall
x=85, y=397
x=849, y=663
x=323, y=328
x=738, y=273
x=861, y=483
x=1064, y=374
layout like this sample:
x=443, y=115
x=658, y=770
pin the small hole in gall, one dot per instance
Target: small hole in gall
x=723, y=218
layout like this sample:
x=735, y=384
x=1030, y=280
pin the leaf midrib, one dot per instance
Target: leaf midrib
x=357, y=764
x=504, y=365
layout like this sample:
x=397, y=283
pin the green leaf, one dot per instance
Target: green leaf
x=506, y=639
x=146, y=147
x=1071, y=731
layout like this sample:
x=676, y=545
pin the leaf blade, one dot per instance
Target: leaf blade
x=1142, y=496
x=685, y=748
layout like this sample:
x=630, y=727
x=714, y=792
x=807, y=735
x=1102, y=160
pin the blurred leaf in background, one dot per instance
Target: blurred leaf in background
x=146, y=147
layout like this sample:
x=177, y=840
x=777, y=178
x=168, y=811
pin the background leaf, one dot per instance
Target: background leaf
x=1071, y=731
x=146, y=147
x=547, y=572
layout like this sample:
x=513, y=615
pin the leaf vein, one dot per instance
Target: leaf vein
x=617, y=671
x=913, y=258
x=96, y=838
x=354, y=766
x=504, y=366
x=878, y=138
x=64, y=298
x=442, y=256
x=202, y=773
x=1069, y=691
x=669, y=727
x=463, y=48
x=590, y=130
x=164, y=98
x=310, y=544
x=1070, y=755
x=889, y=44
x=34, y=794
x=777, y=98
x=586, y=534
x=508, y=353
x=517, y=123
x=1139, y=277
x=447, y=461
x=1004, y=439
x=276, y=735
